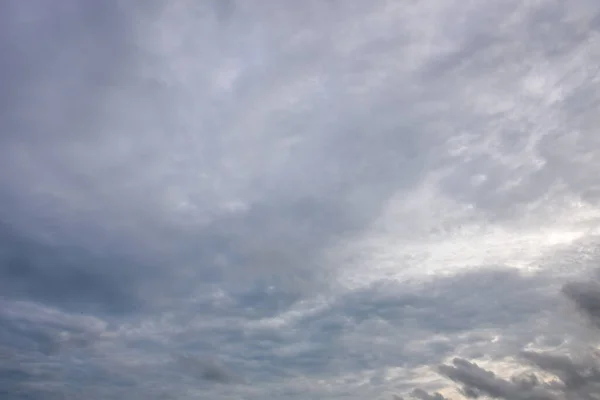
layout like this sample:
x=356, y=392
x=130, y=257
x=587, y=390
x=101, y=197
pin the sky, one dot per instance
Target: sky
x=319, y=199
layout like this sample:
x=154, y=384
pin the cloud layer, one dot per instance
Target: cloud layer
x=227, y=199
x=572, y=373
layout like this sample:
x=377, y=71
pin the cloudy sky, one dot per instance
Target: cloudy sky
x=317, y=199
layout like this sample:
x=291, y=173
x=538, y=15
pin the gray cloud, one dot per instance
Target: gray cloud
x=224, y=10
x=330, y=197
x=63, y=276
x=572, y=379
x=53, y=84
x=478, y=382
x=423, y=395
x=578, y=377
x=586, y=296
x=574, y=376
x=208, y=369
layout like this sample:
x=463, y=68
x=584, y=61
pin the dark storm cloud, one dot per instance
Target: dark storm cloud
x=208, y=369
x=573, y=379
x=586, y=297
x=477, y=382
x=423, y=395
x=575, y=374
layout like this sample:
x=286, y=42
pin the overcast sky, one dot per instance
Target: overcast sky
x=316, y=199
